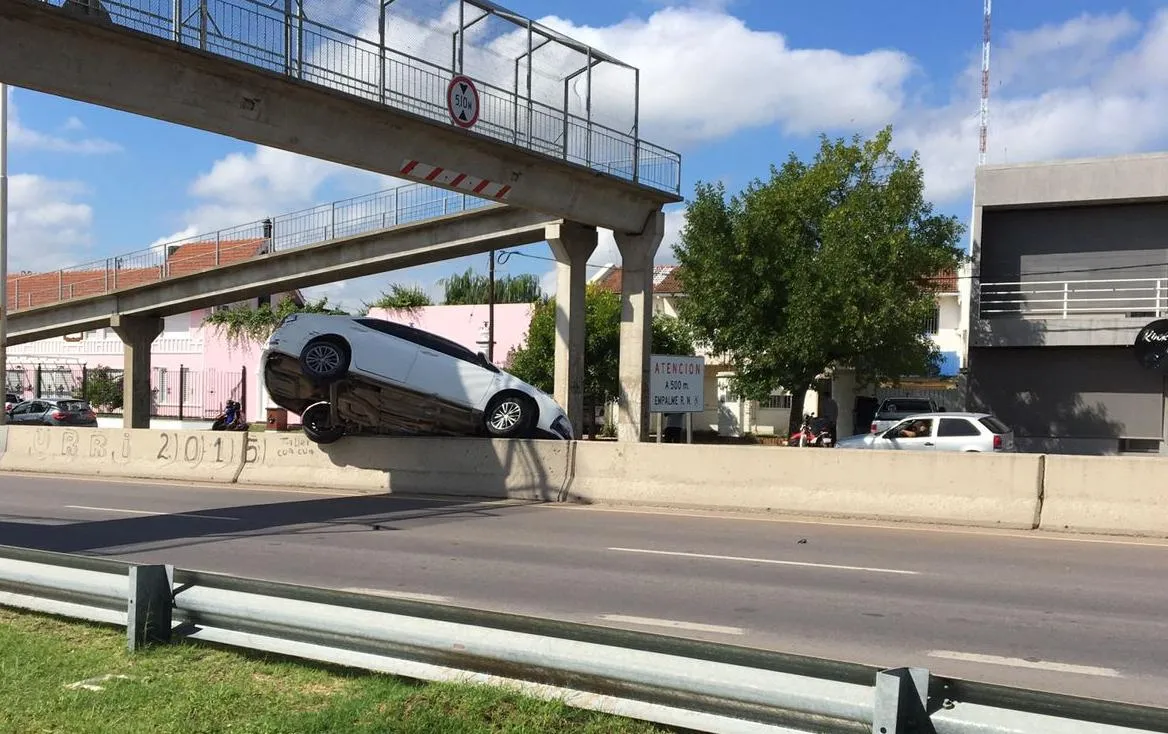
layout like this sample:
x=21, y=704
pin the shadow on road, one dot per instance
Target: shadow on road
x=358, y=514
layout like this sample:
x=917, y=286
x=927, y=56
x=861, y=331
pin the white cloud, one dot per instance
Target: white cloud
x=20, y=136
x=1078, y=88
x=48, y=225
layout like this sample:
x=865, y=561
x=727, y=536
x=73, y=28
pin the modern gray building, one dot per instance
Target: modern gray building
x=1070, y=262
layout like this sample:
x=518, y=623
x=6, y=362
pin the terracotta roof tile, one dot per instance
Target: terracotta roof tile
x=665, y=280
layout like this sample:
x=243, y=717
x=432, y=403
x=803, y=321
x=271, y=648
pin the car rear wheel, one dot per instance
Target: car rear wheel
x=317, y=422
x=509, y=415
x=325, y=359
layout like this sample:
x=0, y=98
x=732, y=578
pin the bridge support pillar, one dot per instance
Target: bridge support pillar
x=138, y=334
x=636, y=331
x=572, y=244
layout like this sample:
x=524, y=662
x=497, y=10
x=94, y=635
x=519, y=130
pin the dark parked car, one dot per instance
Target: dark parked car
x=53, y=412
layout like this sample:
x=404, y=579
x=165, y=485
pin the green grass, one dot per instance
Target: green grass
x=189, y=687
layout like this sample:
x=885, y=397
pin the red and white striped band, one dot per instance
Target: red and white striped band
x=433, y=174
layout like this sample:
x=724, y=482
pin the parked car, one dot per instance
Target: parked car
x=53, y=412
x=939, y=431
x=347, y=374
x=894, y=410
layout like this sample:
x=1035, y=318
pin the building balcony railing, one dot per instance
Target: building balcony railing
x=1062, y=299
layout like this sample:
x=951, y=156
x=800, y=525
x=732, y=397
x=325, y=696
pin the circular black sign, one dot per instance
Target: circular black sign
x=1152, y=345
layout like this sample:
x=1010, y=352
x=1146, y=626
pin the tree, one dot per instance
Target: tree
x=471, y=288
x=241, y=325
x=401, y=298
x=826, y=264
x=534, y=362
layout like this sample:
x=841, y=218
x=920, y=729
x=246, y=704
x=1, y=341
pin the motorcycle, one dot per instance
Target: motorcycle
x=807, y=435
x=231, y=419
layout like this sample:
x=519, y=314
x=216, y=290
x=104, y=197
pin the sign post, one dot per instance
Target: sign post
x=462, y=101
x=677, y=386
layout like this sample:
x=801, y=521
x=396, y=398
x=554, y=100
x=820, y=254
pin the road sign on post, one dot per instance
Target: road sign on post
x=462, y=101
x=677, y=384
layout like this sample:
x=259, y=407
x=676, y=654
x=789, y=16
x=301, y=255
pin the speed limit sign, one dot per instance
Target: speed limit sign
x=462, y=101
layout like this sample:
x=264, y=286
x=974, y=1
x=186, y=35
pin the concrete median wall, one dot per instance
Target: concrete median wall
x=537, y=470
x=196, y=456
x=1116, y=495
x=999, y=490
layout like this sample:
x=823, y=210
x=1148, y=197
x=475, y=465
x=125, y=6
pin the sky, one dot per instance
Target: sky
x=732, y=85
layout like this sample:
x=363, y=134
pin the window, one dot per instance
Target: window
x=995, y=425
x=912, y=428
x=775, y=402
x=1139, y=445
x=907, y=405
x=956, y=427
x=933, y=321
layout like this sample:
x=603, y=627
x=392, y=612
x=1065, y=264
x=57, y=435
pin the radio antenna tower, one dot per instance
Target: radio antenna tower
x=985, y=85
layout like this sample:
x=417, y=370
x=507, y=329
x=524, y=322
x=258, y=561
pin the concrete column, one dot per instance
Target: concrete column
x=636, y=334
x=138, y=334
x=572, y=244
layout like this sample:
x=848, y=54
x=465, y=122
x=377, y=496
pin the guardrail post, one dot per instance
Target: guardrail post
x=203, y=15
x=902, y=700
x=148, y=618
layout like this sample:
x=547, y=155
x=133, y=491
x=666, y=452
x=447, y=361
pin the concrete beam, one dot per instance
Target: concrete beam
x=138, y=334
x=636, y=332
x=572, y=244
x=405, y=246
x=45, y=49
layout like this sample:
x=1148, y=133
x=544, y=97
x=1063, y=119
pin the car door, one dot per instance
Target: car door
x=377, y=352
x=448, y=374
x=896, y=440
x=957, y=434
x=28, y=412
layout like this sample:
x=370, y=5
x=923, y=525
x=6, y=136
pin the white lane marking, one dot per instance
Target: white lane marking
x=407, y=595
x=674, y=624
x=970, y=657
x=772, y=561
x=145, y=512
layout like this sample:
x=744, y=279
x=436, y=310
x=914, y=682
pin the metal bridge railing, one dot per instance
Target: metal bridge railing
x=278, y=37
x=339, y=219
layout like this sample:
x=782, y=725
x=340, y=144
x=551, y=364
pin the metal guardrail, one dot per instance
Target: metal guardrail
x=279, y=37
x=696, y=685
x=359, y=215
x=1135, y=297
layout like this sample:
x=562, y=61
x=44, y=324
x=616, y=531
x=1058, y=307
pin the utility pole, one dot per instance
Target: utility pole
x=491, y=310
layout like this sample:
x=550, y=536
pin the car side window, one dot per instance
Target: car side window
x=22, y=409
x=951, y=427
x=913, y=428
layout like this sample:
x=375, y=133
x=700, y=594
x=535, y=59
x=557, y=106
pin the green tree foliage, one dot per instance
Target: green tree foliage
x=470, y=288
x=826, y=264
x=242, y=325
x=401, y=298
x=534, y=362
x=103, y=389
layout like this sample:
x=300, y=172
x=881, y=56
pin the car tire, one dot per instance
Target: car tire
x=509, y=415
x=316, y=421
x=325, y=359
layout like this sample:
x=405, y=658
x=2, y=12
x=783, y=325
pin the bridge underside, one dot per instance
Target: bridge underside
x=47, y=50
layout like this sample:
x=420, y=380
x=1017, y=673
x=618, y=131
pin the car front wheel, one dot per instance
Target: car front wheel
x=317, y=422
x=509, y=415
x=325, y=359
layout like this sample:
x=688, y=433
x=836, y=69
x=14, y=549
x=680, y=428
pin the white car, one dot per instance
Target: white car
x=354, y=374
x=941, y=431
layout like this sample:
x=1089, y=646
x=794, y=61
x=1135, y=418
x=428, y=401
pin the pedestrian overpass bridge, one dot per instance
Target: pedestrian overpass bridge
x=265, y=72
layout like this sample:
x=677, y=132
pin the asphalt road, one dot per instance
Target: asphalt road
x=1085, y=616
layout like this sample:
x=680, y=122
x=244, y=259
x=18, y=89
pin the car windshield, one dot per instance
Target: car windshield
x=72, y=406
x=907, y=406
x=995, y=425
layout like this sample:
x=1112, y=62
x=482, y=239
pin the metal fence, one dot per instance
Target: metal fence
x=280, y=37
x=1128, y=297
x=182, y=393
x=687, y=684
x=359, y=215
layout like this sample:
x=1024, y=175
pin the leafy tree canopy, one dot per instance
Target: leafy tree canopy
x=241, y=325
x=534, y=362
x=407, y=299
x=471, y=288
x=828, y=263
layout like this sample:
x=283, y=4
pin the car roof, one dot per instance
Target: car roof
x=948, y=414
